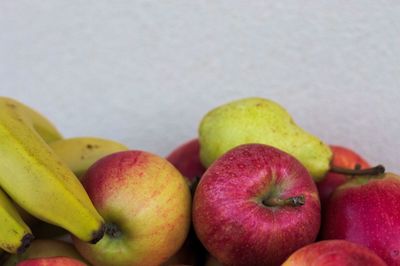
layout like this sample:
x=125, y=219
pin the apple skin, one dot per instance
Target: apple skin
x=145, y=202
x=342, y=157
x=52, y=261
x=333, y=253
x=186, y=158
x=229, y=215
x=366, y=210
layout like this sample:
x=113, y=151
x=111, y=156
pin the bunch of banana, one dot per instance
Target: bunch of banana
x=15, y=235
x=37, y=172
x=79, y=154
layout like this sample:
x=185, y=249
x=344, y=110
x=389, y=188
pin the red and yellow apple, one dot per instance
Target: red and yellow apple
x=145, y=202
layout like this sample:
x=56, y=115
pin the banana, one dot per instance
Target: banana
x=39, y=181
x=15, y=235
x=81, y=152
x=40, y=123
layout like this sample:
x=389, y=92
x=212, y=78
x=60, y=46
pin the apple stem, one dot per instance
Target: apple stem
x=292, y=201
x=113, y=230
x=377, y=170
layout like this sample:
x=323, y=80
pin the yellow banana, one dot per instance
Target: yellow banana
x=15, y=235
x=40, y=123
x=39, y=181
x=81, y=152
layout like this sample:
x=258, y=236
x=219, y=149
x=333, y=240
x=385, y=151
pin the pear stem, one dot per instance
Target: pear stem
x=278, y=202
x=377, y=170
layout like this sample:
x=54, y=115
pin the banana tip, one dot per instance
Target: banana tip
x=97, y=235
x=25, y=243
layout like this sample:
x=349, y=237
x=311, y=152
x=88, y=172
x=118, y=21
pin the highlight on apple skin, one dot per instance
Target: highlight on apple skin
x=255, y=205
x=334, y=253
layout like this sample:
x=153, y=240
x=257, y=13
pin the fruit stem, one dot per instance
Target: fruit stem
x=377, y=170
x=292, y=201
x=113, y=230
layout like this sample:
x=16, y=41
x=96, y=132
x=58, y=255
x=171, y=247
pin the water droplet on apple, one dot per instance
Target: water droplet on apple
x=395, y=253
x=241, y=166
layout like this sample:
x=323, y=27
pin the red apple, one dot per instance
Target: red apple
x=145, y=202
x=255, y=205
x=334, y=253
x=52, y=261
x=366, y=210
x=186, y=159
x=342, y=157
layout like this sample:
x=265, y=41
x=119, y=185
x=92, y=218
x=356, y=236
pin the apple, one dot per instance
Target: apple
x=334, y=252
x=52, y=261
x=145, y=202
x=366, y=210
x=255, y=205
x=342, y=157
x=186, y=158
x=42, y=248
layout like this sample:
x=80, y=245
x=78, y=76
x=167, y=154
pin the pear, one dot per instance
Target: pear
x=258, y=120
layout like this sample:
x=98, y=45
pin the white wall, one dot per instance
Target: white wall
x=145, y=72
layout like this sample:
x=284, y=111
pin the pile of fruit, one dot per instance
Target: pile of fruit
x=253, y=188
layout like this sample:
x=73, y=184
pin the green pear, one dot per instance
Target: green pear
x=43, y=248
x=258, y=120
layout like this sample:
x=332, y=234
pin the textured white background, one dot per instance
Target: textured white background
x=145, y=72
